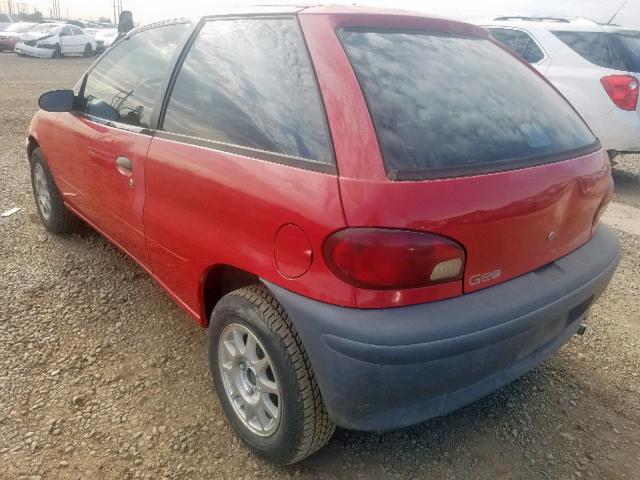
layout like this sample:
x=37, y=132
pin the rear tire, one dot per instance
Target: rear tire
x=303, y=425
x=52, y=212
x=88, y=50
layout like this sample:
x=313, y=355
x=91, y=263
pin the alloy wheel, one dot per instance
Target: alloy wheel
x=41, y=188
x=249, y=379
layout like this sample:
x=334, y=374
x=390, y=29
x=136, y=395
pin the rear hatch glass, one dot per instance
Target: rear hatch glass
x=446, y=105
x=630, y=43
x=614, y=50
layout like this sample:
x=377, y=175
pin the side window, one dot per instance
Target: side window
x=249, y=83
x=4, y=18
x=520, y=42
x=532, y=52
x=124, y=86
x=594, y=47
x=65, y=32
x=77, y=31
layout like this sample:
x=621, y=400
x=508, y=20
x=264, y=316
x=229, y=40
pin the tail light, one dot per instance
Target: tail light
x=622, y=89
x=377, y=258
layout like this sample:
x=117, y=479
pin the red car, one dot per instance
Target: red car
x=11, y=34
x=380, y=216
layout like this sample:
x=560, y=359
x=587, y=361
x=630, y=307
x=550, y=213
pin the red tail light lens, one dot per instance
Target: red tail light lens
x=377, y=258
x=622, y=89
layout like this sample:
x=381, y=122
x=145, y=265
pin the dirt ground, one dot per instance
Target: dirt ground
x=102, y=376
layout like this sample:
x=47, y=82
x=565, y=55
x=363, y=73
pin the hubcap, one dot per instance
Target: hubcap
x=249, y=380
x=42, y=191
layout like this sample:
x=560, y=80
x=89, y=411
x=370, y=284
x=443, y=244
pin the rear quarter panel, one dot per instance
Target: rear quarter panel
x=206, y=208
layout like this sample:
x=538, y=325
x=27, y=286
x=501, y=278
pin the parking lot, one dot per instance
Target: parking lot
x=103, y=376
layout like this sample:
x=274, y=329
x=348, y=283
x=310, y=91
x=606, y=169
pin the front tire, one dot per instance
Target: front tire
x=274, y=403
x=57, y=52
x=52, y=212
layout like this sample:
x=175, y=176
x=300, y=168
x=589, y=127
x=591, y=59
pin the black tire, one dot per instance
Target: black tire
x=57, y=52
x=88, y=50
x=304, y=425
x=59, y=220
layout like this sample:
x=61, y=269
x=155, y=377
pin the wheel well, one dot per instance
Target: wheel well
x=33, y=144
x=221, y=280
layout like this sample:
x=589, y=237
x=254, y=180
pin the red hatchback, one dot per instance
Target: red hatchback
x=380, y=216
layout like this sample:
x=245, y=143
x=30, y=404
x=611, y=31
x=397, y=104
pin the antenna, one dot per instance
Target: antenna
x=617, y=12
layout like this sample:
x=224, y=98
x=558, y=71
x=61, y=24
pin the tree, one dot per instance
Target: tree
x=36, y=16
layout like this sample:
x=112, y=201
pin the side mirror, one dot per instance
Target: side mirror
x=57, y=101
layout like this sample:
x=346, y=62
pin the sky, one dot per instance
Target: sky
x=470, y=10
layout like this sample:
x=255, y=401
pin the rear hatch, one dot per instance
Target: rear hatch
x=476, y=147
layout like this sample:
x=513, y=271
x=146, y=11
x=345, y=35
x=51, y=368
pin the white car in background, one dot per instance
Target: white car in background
x=6, y=20
x=105, y=37
x=53, y=40
x=596, y=67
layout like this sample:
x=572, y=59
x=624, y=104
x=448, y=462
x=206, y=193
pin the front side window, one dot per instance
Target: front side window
x=249, y=83
x=77, y=31
x=125, y=85
x=65, y=32
x=445, y=105
x=594, y=47
x=520, y=42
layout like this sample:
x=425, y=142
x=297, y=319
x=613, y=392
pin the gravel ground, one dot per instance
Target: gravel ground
x=102, y=376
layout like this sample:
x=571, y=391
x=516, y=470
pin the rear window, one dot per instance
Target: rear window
x=595, y=47
x=446, y=105
x=630, y=42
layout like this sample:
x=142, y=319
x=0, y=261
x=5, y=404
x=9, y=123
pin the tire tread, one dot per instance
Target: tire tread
x=318, y=426
x=62, y=220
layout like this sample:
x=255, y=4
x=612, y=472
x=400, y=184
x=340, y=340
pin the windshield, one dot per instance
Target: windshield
x=46, y=28
x=445, y=105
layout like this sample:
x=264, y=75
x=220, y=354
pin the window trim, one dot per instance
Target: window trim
x=248, y=152
x=501, y=166
x=531, y=38
x=273, y=157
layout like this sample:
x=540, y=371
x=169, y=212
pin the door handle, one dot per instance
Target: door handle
x=124, y=166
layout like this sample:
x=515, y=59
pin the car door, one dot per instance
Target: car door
x=66, y=40
x=104, y=143
x=79, y=39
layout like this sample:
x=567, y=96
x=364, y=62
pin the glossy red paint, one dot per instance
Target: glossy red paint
x=292, y=251
x=192, y=208
x=206, y=208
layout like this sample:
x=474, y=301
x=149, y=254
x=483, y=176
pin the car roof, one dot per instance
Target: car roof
x=556, y=25
x=359, y=14
x=547, y=23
